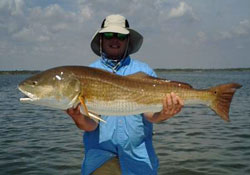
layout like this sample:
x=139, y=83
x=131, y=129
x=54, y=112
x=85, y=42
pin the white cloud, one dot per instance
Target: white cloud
x=202, y=36
x=41, y=35
x=225, y=35
x=42, y=32
x=243, y=29
x=19, y=4
x=34, y=33
x=41, y=24
x=86, y=12
x=15, y=7
x=182, y=10
x=11, y=15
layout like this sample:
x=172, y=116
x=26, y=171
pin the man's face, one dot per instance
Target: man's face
x=114, y=47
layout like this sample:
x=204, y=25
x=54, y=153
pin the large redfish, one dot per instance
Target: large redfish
x=104, y=93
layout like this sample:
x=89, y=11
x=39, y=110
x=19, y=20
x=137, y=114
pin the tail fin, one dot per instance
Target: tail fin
x=223, y=97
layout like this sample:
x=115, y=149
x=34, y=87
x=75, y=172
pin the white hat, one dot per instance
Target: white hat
x=117, y=24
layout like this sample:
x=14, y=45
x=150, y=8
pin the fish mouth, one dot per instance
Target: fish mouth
x=29, y=96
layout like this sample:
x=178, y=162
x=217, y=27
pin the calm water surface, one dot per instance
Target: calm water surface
x=39, y=140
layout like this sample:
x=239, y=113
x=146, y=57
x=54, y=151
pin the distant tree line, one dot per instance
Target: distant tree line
x=16, y=72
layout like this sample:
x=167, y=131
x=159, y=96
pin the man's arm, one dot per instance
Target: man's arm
x=172, y=105
x=82, y=122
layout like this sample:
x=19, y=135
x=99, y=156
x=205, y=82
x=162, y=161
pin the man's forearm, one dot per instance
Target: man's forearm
x=154, y=117
x=84, y=123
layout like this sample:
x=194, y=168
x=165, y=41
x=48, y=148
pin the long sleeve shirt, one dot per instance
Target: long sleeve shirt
x=127, y=137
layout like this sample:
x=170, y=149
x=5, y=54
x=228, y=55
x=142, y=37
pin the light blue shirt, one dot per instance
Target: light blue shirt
x=128, y=137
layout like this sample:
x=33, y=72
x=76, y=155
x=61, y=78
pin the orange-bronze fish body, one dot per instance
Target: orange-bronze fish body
x=105, y=93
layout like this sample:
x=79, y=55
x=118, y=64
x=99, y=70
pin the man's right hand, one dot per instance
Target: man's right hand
x=82, y=122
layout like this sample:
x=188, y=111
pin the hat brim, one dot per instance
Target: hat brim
x=135, y=39
x=115, y=29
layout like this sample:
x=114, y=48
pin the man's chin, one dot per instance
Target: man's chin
x=115, y=57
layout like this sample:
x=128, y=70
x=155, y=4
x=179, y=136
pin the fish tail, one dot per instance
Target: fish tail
x=223, y=97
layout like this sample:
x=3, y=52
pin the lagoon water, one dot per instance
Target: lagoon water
x=36, y=140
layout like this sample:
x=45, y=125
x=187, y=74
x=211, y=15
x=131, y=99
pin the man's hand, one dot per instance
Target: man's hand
x=74, y=112
x=172, y=105
x=82, y=122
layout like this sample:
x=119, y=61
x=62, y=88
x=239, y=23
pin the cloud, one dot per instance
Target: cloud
x=86, y=12
x=182, y=10
x=13, y=6
x=24, y=23
x=36, y=33
x=242, y=30
x=50, y=33
x=39, y=34
x=11, y=16
x=202, y=36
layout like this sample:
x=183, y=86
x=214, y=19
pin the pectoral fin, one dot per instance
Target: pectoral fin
x=96, y=117
x=85, y=111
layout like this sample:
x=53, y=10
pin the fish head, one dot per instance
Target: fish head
x=54, y=88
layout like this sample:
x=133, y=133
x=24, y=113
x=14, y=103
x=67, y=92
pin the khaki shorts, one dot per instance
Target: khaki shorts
x=111, y=167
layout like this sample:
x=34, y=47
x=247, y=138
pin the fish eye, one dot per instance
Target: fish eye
x=34, y=83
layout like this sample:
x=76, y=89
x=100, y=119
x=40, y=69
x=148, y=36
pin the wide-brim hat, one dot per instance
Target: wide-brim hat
x=117, y=24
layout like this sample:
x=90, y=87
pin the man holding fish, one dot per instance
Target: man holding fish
x=122, y=145
x=125, y=95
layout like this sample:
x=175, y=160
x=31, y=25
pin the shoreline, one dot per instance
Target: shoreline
x=18, y=72
x=201, y=70
x=157, y=70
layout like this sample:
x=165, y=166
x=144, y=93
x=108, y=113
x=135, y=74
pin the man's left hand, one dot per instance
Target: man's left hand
x=172, y=105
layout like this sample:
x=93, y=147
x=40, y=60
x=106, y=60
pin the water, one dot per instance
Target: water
x=38, y=140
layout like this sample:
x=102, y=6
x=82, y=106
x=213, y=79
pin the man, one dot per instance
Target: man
x=124, y=143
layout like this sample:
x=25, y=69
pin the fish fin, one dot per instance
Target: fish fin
x=180, y=84
x=96, y=116
x=91, y=115
x=144, y=77
x=223, y=97
x=140, y=75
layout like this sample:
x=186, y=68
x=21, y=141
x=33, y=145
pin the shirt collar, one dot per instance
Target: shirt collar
x=114, y=65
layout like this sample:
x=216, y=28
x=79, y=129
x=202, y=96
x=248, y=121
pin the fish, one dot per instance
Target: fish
x=103, y=93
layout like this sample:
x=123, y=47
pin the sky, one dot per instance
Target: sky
x=40, y=34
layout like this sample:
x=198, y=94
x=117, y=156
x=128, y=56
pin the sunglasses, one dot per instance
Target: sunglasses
x=110, y=35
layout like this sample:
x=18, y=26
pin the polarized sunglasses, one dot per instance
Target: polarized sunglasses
x=110, y=35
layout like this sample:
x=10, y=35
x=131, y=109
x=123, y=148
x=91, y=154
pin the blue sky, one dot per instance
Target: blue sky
x=40, y=34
